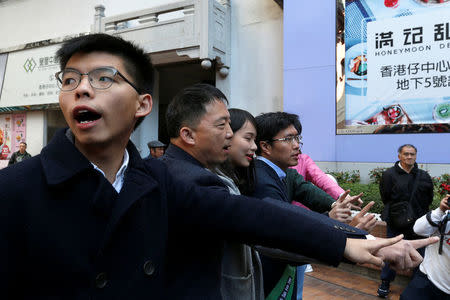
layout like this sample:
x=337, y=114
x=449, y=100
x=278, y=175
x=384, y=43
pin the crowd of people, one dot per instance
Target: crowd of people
x=226, y=211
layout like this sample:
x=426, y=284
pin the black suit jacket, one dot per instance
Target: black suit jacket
x=268, y=184
x=194, y=267
x=269, y=219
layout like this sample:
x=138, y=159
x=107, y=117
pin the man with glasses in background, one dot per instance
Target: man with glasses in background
x=279, y=141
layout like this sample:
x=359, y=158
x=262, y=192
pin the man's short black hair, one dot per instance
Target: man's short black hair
x=268, y=125
x=188, y=106
x=23, y=143
x=136, y=62
x=400, y=149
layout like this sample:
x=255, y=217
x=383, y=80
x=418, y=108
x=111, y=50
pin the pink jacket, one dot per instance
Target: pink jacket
x=311, y=172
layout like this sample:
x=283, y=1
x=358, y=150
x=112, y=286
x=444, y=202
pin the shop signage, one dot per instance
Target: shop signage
x=396, y=68
x=29, y=77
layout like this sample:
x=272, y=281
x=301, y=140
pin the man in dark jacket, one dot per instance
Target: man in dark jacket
x=89, y=219
x=403, y=182
x=20, y=155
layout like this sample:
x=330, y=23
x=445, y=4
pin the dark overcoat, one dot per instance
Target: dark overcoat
x=65, y=233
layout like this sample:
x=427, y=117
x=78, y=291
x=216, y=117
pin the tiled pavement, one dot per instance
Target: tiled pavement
x=336, y=283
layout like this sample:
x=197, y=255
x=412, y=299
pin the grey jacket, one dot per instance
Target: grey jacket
x=241, y=266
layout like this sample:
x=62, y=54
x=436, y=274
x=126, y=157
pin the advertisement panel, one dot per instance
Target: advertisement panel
x=29, y=77
x=12, y=133
x=393, y=70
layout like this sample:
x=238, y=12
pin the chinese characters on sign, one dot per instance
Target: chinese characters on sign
x=413, y=36
x=396, y=66
x=36, y=68
x=405, y=58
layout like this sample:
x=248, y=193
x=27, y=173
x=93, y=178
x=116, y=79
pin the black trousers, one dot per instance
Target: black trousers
x=421, y=288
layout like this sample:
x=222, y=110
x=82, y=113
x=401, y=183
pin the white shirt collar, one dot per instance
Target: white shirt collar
x=120, y=175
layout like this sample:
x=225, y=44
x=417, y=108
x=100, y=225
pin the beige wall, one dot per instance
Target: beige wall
x=255, y=81
x=256, y=73
x=24, y=21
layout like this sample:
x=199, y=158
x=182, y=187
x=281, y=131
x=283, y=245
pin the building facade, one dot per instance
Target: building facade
x=235, y=45
x=263, y=57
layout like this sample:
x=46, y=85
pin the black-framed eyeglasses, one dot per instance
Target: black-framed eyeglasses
x=290, y=139
x=100, y=78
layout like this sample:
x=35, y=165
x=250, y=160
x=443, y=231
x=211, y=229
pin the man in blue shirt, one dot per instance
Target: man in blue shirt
x=278, y=142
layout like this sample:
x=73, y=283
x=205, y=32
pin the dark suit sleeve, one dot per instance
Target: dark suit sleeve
x=307, y=193
x=258, y=221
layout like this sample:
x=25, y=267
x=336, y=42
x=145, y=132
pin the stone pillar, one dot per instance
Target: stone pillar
x=99, y=14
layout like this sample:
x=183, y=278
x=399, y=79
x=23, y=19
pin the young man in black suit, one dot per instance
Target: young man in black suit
x=88, y=218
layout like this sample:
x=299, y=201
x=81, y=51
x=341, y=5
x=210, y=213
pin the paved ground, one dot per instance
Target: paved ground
x=333, y=283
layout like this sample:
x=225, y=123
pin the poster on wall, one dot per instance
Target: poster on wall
x=393, y=66
x=12, y=133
